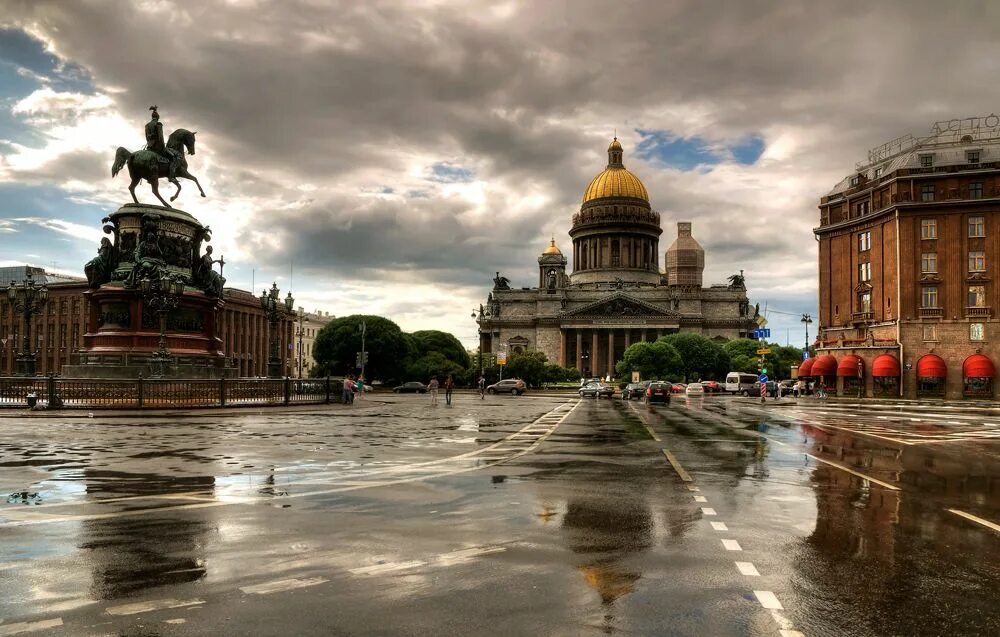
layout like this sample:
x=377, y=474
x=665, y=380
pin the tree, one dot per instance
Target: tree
x=427, y=341
x=339, y=342
x=700, y=356
x=435, y=364
x=528, y=366
x=653, y=361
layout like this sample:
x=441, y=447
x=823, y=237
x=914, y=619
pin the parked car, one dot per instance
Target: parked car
x=771, y=389
x=658, y=392
x=635, y=390
x=677, y=388
x=694, y=389
x=597, y=390
x=586, y=381
x=511, y=386
x=412, y=387
x=712, y=386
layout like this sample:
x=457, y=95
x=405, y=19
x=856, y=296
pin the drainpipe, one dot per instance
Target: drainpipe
x=899, y=303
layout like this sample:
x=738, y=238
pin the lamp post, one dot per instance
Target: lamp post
x=161, y=295
x=806, y=320
x=28, y=299
x=274, y=310
x=299, y=334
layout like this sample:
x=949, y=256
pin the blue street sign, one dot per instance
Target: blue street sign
x=763, y=378
x=805, y=356
x=764, y=332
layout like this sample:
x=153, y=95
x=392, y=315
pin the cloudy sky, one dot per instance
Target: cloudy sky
x=397, y=154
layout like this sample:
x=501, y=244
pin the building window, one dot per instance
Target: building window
x=927, y=161
x=977, y=261
x=862, y=208
x=977, y=226
x=865, y=302
x=927, y=193
x=972, y=156
x=865, y=241
x=977, y=332
x=864, y=272
x=930, y=332
x=855, y=180
x=977, y=296
x=928, y=228
x=976, y=190
x=929, y=296
x=928, y=262
x=878, y=173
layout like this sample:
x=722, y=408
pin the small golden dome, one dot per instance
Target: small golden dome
x=552, y=249
x=615, y=180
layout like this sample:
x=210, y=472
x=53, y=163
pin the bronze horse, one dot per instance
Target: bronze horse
x=146, y=164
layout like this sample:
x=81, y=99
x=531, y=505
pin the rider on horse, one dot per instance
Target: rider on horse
x=155, y=143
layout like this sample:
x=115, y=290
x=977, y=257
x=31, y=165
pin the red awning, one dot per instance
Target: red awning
x=885, y=366
x=931, y=366
x=825, y=365
x=977, y=366
x=848, y=367
x=805, y=369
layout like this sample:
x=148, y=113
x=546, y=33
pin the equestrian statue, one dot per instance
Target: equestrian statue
x=159, y=159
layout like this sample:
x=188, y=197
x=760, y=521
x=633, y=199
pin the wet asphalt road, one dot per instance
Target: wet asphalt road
x=531, y=515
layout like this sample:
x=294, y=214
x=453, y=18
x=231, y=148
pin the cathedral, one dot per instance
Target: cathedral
x=616, y=293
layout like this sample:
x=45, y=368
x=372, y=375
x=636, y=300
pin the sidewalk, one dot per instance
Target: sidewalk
x=195, y=412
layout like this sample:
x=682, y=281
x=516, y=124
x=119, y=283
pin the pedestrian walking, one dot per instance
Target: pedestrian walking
x=777, y=391
x=822, y=389
x=449, y=387
x=795, y=388
x=359, y=387
x=482, y=388
x=432, y=388
x=520, y=387
x=348, y=393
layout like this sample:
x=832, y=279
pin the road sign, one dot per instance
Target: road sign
x=763, y=351
x=762, y=333
x=761, y=321
x=805, y=355
x=763, y=378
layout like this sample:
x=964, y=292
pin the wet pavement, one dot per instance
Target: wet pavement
x=530, y=515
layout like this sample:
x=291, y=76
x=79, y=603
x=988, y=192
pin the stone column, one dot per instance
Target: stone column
x=562, y=347
x=593, y=352
x=579, y=350
x=628, y=338
x=644, y=339
x=611, y=353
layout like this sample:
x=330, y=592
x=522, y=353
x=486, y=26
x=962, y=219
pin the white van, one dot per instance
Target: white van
x=740, y=383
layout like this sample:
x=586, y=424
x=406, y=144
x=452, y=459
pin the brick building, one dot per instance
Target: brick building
x=908, y=252
x=616, y=294
x=58, y=330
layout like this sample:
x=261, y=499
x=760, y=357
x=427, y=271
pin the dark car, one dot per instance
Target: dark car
x=510, y=386
x=658, y=393
x=597, y=390
x=412, y=387
x=772, y=389
x=633, y=391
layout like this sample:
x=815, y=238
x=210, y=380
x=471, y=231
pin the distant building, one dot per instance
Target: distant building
x=908, y=256
x=58, y=330
x=307, y=326
x=616, y=294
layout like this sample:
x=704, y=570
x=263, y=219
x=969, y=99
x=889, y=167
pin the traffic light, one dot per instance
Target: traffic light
x=763, y=370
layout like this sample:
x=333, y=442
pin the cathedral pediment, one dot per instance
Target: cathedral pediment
x=619, y=306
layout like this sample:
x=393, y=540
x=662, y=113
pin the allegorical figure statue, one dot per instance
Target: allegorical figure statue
x=552, y=279
x=210, y=281
x=501, y=282
x=100, y=268
x=148, y=257
x=158, y=160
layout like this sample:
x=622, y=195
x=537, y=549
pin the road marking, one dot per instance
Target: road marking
x=768, y=600
x=732, y=545
x=377, y=569
x=747, y=568
x=852, y=471
x=707, y=511
x=719, y=526
x=693, y=488
x=280, y=585
x=465, y=554
x=700, y=498
x=677, y=466
x=977, y=520
x=156, y=604
x=29, y=627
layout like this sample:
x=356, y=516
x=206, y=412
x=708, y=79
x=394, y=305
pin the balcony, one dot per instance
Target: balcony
x=977, y=312
x=931, y=312
x=862, y=317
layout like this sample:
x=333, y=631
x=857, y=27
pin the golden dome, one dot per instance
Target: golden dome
x=615, y=180
x=552, y=249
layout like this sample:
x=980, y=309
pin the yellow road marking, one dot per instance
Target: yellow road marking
x=976, y=519
x=677, y=466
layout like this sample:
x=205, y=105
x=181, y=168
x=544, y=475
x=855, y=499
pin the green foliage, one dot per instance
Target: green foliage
x=427, y=341
x=528, y=366
x=742, y=355
x=653, y=361
x=701, y=358
x=338, y=343
x=744, y=358
x=435, y=364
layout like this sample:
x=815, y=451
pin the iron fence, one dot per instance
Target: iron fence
x=55, y=392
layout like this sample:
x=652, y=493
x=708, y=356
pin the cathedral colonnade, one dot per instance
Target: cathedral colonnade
x=594, y=350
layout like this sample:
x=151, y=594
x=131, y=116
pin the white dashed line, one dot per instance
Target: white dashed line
x=768, y=600
x=375, y=569
x=853, y=472
x=146, y=607
x=693, y=488
x=732, y=545
x=278, y=586
x=29, y=627
x=700, y=498
x=747, y=568
x=707, y=511
x=719, y=526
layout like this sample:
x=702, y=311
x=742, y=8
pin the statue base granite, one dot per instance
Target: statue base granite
x=152, y=276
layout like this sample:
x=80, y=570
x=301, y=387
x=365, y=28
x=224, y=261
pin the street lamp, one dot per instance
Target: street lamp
x=275, y=310
x=28, y=298
x=161, y=295
x=806, y=320
x=299, y=334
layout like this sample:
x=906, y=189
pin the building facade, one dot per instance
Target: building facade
x=307, y=326
x=908, y=256
x=59, y=328
x=616, y=293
